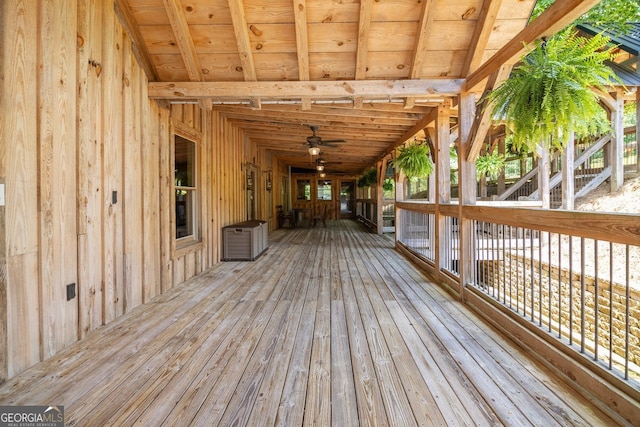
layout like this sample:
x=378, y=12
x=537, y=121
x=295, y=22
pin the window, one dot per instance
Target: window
x=324, y=189
x=186, y=188
x=303, y=189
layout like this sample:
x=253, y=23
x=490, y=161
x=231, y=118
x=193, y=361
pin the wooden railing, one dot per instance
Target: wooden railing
x=570, y=279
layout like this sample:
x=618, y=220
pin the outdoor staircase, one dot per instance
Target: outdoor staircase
x=590, y=170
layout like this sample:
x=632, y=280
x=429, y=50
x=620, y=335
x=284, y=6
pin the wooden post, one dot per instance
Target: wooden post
x=543, y=176
x=381, y=168
x=638, y=125
x=443, y=179
x=399, y=177
x=617, y=142
x=568, y=181
x=501, y=178
x=467, y=190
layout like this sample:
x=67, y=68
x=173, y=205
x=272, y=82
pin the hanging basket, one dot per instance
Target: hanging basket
x=414, y=161
x=368, y=178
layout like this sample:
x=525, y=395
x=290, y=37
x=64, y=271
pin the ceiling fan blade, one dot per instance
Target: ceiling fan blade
x=337, y=141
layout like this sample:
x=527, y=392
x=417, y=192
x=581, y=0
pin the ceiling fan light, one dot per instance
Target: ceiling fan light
x=314, y=151
x=320, y=167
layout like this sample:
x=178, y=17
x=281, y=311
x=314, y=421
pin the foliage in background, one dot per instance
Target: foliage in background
x=388, y=184
x=550, y=93
x=490, y=165
x=414, y=161
x=368, y=178
x=610, y=14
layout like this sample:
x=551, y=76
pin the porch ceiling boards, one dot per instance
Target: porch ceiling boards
x=367, y=71
x=331, y=326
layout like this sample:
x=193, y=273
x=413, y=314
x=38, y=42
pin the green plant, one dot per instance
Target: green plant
x=368, y=178
x=550, y=94
x=387, y=184
x=414, y=161
x=490, y=165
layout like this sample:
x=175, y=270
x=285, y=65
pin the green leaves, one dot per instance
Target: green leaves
x=414, y=160
x=490, y=165
x=550, y=94
x=368, y=178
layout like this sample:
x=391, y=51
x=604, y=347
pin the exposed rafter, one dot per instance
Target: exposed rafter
x=302, y=44
x=481, y=34
x=185, y=44
x=362, y=50
x=420, y=52
x=242, y=39
x=139, y=47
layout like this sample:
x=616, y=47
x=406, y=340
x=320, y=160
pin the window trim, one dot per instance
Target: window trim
x=184, y=245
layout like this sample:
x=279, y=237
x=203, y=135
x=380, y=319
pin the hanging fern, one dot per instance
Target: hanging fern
x=550, y=94
x=414, y=160
x=490, y=165
x=368, y=178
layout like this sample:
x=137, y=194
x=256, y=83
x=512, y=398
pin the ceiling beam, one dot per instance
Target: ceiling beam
x=242, y=39
x=424, y=34
x=481, y=33
x=181, y=33
x=555, y=18
x=362, y=49
x=295, y=89
x=302, y=44
x=427, y=15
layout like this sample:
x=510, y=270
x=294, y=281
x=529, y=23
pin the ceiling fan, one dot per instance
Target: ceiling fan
x=314, y=142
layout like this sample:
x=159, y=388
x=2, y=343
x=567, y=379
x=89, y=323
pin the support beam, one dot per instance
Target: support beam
x=376, y=89
x=568, y=172
x=555, y=18
x=467, y=189
x=443, y=180
x=544, y=166
x=617, y=141
x=482, y=121
x=302, y=45
x=638, y=124
x=185, y=43
x=381, y=168
x=480, y=38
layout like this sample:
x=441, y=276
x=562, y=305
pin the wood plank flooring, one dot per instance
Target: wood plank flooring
x=330, y=327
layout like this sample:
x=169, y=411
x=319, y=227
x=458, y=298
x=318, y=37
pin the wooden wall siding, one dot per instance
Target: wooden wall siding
x=78, y=130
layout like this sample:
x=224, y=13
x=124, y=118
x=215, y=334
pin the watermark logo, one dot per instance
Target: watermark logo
x=31, y=416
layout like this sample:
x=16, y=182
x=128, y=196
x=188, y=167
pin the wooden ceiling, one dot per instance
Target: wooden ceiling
x=370, y=72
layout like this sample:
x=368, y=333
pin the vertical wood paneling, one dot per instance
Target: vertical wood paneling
x=112, y=165
x=151, y=194
x=82, y=129
x=57, y=169
x=132, y=202
x=19, y=160
x=166, y=190
x=90, y=191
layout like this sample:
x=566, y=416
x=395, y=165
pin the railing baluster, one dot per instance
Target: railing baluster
x=504, y=268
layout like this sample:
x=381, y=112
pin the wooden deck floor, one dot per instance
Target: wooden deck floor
x=330, y=327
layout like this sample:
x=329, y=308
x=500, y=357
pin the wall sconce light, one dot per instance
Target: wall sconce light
x=322, y=175
x=314, y=151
